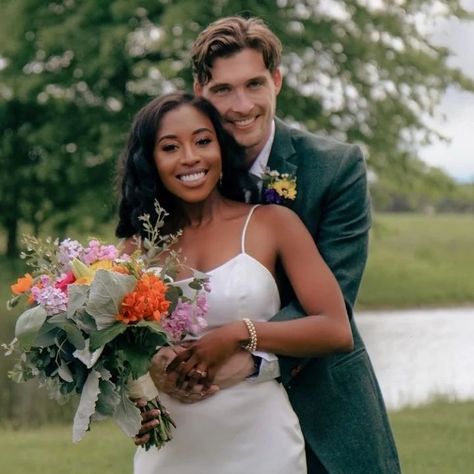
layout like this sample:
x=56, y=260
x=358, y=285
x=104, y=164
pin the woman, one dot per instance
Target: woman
x=180, y=154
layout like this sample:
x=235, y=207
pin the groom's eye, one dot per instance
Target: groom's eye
x=221, y=90
x=255, y=84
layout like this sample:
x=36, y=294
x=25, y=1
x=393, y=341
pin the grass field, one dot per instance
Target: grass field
x=436, y=439
x=418, y=261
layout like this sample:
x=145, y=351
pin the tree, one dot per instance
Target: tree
x=75, y=72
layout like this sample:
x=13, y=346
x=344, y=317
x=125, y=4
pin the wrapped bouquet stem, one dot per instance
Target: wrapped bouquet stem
x=144, y=388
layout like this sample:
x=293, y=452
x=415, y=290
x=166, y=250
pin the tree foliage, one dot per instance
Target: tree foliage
x=73, y=73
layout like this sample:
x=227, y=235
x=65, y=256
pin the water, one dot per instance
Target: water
x=421, y=355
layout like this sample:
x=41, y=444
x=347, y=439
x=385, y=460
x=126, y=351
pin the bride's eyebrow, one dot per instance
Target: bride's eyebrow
x=171, y=136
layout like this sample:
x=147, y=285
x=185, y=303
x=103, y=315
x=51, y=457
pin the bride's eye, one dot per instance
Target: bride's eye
x=204, y=141
x=169, y=147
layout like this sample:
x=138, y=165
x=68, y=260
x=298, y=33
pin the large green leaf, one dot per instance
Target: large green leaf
x=106, y=295
x=127, y=416
x=28, y=325
x=100, y=338
x=77, y=297
x=73, y=333
x=109, y=398
x=86, y=408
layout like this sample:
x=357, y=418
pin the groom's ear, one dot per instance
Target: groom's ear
x=197, y=88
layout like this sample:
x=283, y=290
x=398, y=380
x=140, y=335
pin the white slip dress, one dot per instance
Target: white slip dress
x=244, y=429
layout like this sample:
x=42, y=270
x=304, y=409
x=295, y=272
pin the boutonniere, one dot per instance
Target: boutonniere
x=278, y=188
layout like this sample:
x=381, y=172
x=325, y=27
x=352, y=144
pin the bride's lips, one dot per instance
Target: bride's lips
x=192, y=178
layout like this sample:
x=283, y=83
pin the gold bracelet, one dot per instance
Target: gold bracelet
x=252, y=344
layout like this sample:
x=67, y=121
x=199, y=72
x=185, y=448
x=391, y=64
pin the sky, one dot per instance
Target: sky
x=456, y=157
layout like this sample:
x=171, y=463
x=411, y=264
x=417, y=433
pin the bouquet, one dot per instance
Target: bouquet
x=94, y=320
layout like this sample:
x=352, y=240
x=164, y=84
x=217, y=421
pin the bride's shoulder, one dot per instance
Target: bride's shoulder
x=275, y=212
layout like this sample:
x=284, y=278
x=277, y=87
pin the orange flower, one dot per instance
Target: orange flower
x=22, y=284
x=148, y=301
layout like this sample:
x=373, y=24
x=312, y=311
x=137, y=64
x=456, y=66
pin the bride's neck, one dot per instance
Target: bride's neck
x=201, y=213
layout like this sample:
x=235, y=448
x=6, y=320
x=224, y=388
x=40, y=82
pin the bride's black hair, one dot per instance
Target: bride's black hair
x=138, y=179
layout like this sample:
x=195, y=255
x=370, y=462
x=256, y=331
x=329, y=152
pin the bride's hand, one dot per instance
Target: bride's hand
x=200, y=361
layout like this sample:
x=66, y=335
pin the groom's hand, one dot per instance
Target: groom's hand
x=239, y=367
x=166, y=382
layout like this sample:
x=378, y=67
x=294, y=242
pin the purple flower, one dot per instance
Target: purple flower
x=178, y=323
x=271, y=196
x=96, y=251
x=68, y=250
x=52, y=299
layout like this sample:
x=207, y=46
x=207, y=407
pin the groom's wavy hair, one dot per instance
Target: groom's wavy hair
x=139, y=182
x=228, y=36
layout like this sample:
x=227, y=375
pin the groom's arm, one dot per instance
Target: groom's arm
x=342, y=239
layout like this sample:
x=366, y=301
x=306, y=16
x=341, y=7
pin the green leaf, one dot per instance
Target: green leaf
x=46, y=336
x=86, y=408
x=64, y=372
x=139, y=359
x=127, y=416
x=87, y=357
x=106, y=294
x=100, y=338
x=73, y=333
x=28, y=325
x=77, y=297
x=108, y=400
x=173, y=293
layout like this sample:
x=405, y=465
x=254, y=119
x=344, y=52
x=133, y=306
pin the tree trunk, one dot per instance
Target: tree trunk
x=12, y=238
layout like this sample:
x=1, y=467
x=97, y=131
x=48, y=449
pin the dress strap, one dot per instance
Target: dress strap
x=244, y=231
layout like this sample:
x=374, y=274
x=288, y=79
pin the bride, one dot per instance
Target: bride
x=179, y=153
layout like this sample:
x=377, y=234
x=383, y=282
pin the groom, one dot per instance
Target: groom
x=337, y=399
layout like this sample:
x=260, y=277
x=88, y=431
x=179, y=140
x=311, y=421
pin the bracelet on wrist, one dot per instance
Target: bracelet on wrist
x=251, y=346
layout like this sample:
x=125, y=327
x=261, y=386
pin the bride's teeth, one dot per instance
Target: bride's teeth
x=192, y=176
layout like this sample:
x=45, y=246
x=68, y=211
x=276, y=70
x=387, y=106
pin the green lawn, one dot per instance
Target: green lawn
x=436, y=439
x=417, y=261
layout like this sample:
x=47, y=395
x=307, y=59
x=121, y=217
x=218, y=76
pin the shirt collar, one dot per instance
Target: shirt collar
x=260, y=164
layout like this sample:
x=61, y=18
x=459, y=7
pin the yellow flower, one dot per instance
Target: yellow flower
x=286, y=188
x=85, y=274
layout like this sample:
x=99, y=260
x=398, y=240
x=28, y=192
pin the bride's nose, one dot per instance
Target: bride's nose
x=190, y=156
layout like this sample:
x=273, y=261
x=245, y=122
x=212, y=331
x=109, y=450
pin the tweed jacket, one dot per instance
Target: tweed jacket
x=337, y=397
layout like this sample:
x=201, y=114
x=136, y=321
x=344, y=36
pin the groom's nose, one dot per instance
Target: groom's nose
x=242, y=103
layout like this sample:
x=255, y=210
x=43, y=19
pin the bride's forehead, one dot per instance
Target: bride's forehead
x=185, y=118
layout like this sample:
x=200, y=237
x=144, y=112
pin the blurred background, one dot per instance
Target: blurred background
x=395, y=77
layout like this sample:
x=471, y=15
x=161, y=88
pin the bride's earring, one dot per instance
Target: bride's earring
x=220, y=180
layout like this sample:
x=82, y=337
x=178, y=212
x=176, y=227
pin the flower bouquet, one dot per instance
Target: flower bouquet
x=94, y=320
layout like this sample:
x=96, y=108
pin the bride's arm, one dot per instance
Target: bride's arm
x=324, y=331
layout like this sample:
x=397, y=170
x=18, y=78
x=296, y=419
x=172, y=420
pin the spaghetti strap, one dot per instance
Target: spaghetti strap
x=244, y=231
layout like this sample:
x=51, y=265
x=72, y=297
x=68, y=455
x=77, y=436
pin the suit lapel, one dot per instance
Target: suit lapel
x=282, y=152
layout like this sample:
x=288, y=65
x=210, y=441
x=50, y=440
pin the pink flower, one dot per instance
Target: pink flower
x=65, y=281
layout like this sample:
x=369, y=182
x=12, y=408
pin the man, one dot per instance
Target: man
x=337, y=398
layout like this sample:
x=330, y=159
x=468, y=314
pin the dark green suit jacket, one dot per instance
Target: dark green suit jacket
x=337, y=398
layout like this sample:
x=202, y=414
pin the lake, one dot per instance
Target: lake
x=421, y=355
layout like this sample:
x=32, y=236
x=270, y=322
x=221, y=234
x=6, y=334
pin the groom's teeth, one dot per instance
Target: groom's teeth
x=244, y=123
x=192, y=176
